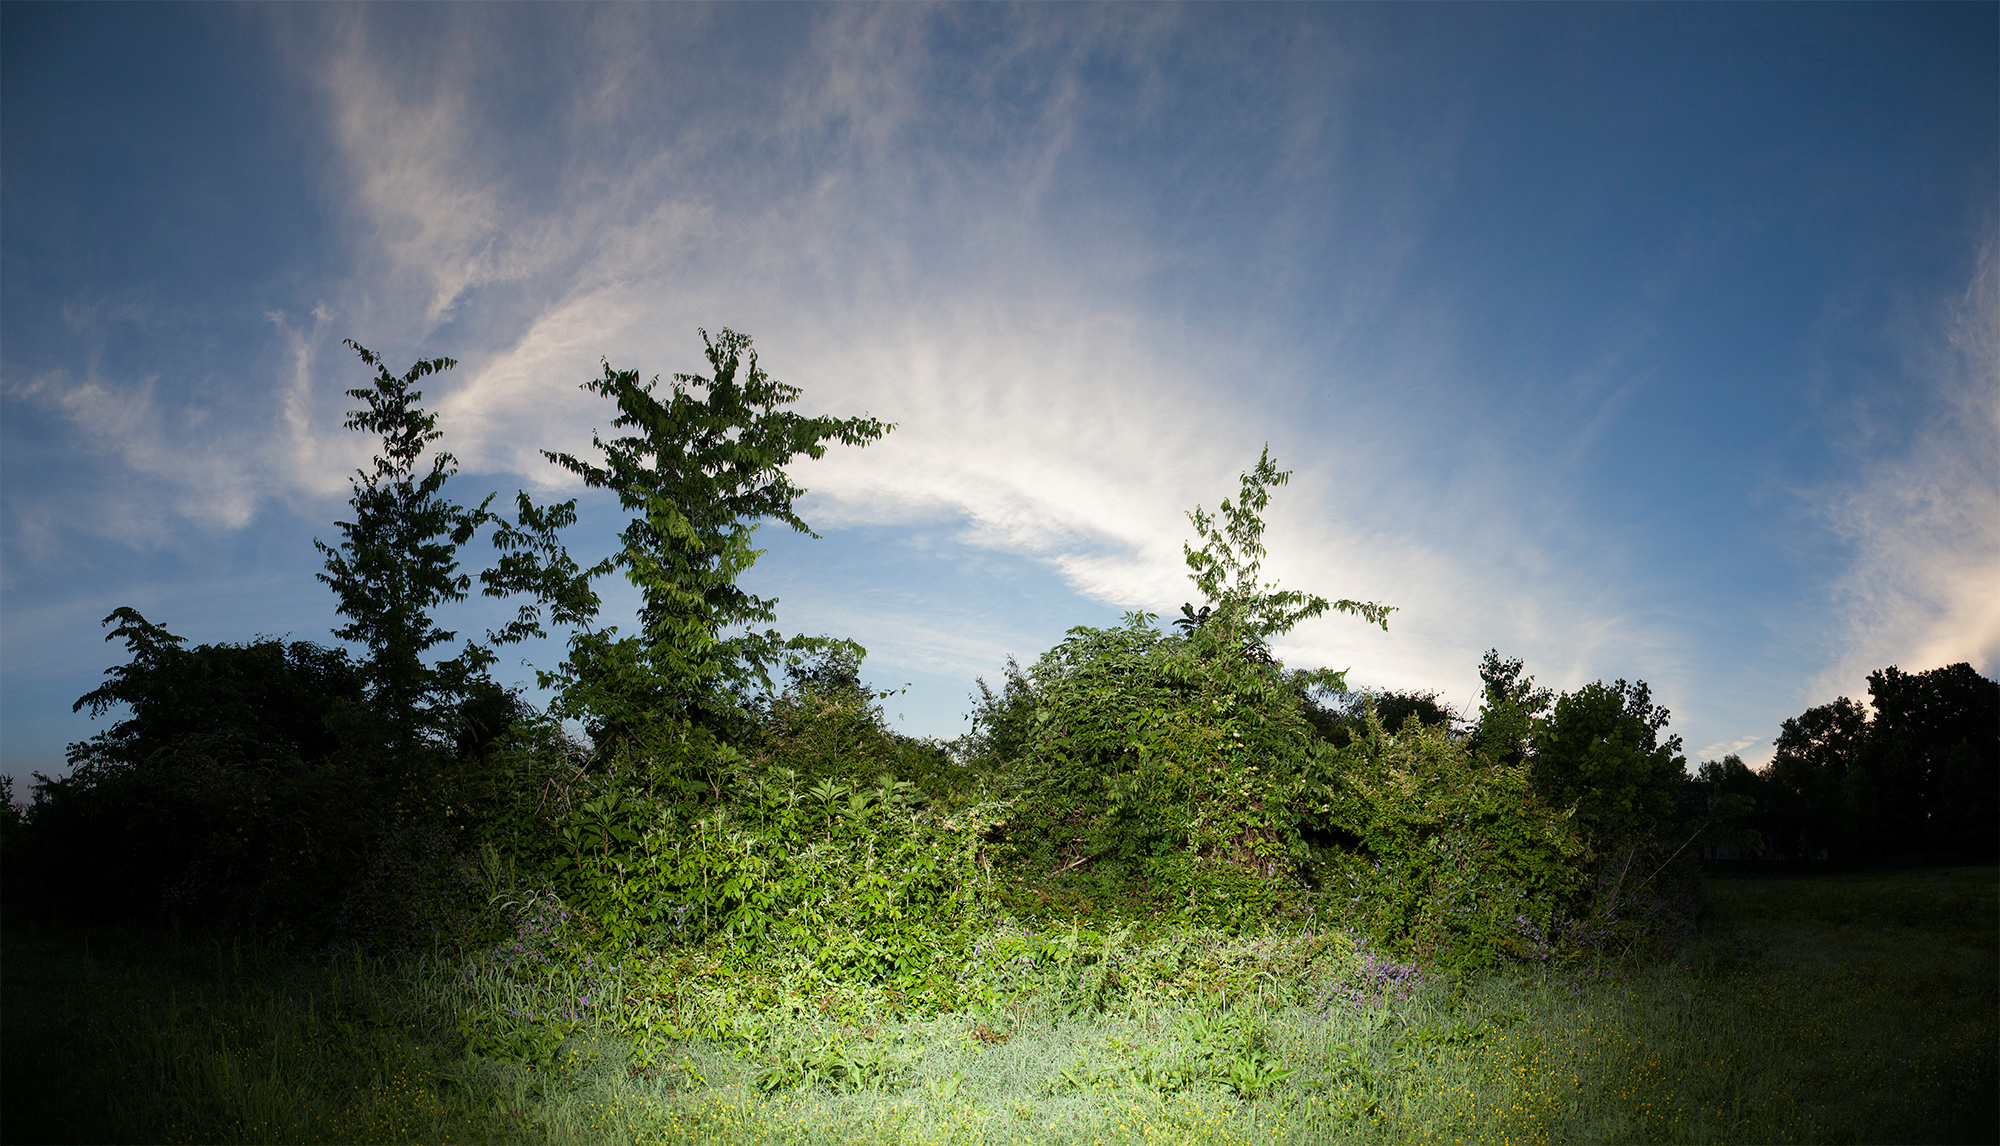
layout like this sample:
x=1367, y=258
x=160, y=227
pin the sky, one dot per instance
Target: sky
x=1655, y=342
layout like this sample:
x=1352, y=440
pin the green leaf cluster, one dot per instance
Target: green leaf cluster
x=812, y=841
x=398, y=558
x=1160, y=770
x=1436, y=854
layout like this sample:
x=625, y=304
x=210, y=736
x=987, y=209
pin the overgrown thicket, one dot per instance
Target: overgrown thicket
x=736, y=790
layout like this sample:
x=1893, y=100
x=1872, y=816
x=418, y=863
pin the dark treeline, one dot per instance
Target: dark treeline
x=736, y=783
x=1917, y=777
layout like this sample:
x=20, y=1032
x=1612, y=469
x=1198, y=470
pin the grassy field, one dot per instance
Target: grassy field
x=1844, y=1008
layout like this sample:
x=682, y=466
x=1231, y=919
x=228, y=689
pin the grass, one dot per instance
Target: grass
x=118, y=1036
x=1846, y=1008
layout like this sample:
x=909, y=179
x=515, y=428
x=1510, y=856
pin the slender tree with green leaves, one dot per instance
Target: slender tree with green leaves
x=1225, y=570
x=699, y=465
x=397, y=560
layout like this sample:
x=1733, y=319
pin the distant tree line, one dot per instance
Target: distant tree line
x=1916, y=772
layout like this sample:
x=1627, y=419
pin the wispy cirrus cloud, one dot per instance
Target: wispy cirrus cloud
x=178, y=448
x=1721, y=749
x=904, y=243
x=1923, y=522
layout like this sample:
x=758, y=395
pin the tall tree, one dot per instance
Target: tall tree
x=1933, y=750
x=1820, y=801
x=1922, y=775
x=1599, y=757
x=1731, y=794
x=700, y=465
x=397, y=560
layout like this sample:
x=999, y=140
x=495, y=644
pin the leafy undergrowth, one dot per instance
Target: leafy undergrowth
x=1826, y=1010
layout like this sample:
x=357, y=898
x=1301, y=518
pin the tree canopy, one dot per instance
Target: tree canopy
x=700, y=465
x=397, y=560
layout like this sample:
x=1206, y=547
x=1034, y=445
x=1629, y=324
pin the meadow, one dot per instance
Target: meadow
x=1859, y=1007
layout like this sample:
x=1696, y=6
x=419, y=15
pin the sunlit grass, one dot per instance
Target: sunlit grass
x=1831, y=1009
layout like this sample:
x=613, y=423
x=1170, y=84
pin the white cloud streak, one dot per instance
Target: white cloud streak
x=1924, y=587
x=189, y=479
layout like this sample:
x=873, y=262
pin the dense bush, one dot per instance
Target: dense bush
x=228, y=794
x=1438, y=855
x=829, y=726
x=808, y=836
x=1163, y=772
x=256, y=788
x=1189, y=776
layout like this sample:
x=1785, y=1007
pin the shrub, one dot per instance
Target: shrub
x=1161, y=778
x=235, y=791
x=1435, y=854
x=810, y=843
x=1162, y=774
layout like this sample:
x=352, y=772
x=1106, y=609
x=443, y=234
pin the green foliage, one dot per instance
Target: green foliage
x=1397, y=707
x=10, y=817
x=227, y=794
x=829, y=726
x=1165, y=774
x=1775, y=1029
x=1163, y=877
x=1003, y=723
x=1599, y=756
x=872, y=886
x=256, y=788
x=534, y=563
x=398, y=558
x=246, y=781
x=1346, y=723
x=1160, y=775
x=1191, y=777
x=1505, y=731
x=838, y=1062
x=1231, y=1049
x=1435, y=854
x=1225, y=570
x=698, y=471
x=286, y=699
x=812, y=842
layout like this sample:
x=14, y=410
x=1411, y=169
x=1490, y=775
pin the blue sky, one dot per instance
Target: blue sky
x=1638, y=341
